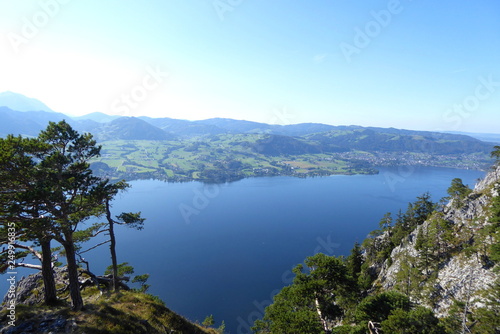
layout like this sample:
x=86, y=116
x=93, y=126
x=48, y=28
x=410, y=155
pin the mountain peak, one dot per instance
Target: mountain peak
x=19, y=102
x=97, y=117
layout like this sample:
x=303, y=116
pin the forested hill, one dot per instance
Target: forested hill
x=322, y=137
x=222, y=150
x=432, y=269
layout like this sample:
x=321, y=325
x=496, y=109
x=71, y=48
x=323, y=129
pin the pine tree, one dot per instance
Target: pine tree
x=23, y=212
x=129, y=219
x=71, y=193
x=418, y=320
x=408, y=276
x=426, y=244
x=320, y=294
x=354, y=261
x=458, y=191
x=209, y=321
x=488, y=317
x=378, y=307
x=386, y=222
x=496, y=153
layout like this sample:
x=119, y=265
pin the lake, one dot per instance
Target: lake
x=227, y=249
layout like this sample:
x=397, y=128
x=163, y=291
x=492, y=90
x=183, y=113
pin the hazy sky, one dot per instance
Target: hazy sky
x=421, y=64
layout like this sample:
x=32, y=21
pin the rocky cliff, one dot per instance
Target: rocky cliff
x=461, y=269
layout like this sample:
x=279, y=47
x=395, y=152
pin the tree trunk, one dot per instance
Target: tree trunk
x=465, y=329
x=49, y=282
x=74, y=284
x=322, y=319
x=112, y=247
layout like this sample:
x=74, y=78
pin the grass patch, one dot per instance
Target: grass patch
x=125, y=312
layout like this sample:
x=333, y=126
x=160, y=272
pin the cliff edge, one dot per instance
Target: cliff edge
x=447, y=260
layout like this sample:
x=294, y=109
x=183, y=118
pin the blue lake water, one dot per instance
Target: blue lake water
x=226, y=249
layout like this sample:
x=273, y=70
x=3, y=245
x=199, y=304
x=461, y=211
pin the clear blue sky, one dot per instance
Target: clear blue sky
x=421, y=64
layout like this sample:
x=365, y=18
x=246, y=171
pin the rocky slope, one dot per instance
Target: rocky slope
x=464, y=272
x=124, y=312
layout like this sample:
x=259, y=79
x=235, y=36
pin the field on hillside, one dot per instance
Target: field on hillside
x=225, y=158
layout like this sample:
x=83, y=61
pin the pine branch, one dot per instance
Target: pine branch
x=100, y=244
x=33, y=251
x=28, y=265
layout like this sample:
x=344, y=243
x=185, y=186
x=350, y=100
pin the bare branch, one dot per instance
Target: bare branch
x=100, y=231
x=100, y=244
x=28, y=265
x=28, y=248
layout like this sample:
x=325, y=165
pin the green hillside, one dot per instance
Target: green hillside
x=229, y=157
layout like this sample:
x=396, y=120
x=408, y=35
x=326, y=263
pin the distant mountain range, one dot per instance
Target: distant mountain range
x=297, y=138
x=20, y=102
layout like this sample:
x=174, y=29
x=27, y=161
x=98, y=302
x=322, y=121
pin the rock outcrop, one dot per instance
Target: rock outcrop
x=126, y=311
x=461, y=276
